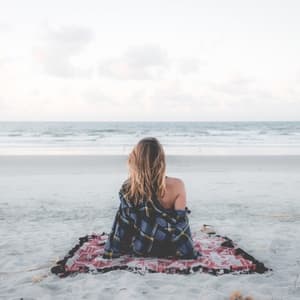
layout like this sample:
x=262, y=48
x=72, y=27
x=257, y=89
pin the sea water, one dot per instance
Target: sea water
x=178, y=138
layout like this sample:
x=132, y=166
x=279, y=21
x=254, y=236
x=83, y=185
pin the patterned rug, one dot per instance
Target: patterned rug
x=220, y=255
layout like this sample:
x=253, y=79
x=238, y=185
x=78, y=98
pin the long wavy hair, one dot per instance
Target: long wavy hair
x=146, y=167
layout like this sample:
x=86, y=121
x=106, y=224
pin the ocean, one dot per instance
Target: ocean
x=178, y=138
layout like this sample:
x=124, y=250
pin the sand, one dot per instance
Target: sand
x=47, y=202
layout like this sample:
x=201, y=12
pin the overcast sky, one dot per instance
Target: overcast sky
x=152, y=60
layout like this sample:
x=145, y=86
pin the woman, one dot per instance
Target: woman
x=152, y=216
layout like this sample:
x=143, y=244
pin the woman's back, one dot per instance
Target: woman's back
x=152, y=228
x=152, y=216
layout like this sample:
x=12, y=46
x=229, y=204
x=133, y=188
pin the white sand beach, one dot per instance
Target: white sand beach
x=47, y=202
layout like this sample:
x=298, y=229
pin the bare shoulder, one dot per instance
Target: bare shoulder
x=178, y=190
x=175, y=181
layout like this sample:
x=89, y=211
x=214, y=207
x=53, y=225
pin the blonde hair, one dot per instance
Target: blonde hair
x=147, y=168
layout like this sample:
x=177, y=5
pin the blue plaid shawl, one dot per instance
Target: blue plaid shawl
x=148, y=229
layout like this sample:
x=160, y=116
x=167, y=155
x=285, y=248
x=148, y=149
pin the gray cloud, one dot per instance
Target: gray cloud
x=173, y=94
x=188, y=65
x=172, y=97
x=5, y=27
x=59, y=46
x=3, y=61
x=145, y=62
x=97, y=96
x=8, y=60
x=251, y=93
x=242, y=90
x=236, y=86
x=146, y=56
x=2, y=103
x=298, y=76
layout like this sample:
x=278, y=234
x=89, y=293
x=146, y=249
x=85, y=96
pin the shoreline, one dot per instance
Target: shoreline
x=11, y=164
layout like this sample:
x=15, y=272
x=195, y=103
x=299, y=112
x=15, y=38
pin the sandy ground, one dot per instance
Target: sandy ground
x=47, y=202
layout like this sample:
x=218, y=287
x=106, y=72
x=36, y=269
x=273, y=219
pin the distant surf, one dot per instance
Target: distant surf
x=178, y=138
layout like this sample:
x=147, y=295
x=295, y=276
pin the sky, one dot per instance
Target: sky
x=138, y=60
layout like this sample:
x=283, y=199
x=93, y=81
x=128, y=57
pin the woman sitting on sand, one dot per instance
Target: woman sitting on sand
x=152, y=217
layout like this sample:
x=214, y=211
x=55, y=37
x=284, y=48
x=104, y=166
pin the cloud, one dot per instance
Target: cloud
x=243, y=91
x=2, y=104
x=172, y=94
x=249, y=98
x=4, y=27
x=95, y=96
x=9, y=60
x=171, y=100
x=145, y=62
x=188, y=65
x=298, y=76
x=4, y=61
x=58, y=48
x=146, y=56
x=235, y=86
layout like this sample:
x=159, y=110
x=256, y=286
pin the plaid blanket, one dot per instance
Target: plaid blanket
x=148, y=229
x=220, y=255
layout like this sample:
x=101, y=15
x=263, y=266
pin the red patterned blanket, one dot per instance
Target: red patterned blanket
x=220, y=255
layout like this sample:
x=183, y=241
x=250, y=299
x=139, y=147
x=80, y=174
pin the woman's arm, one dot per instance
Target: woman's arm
x=180, y=200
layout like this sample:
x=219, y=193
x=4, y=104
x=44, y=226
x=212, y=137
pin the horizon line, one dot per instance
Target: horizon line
x=143, y=121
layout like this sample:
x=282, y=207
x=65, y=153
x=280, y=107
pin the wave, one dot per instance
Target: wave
x=188, y=135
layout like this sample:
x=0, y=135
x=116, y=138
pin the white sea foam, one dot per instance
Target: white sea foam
x=188, y=138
